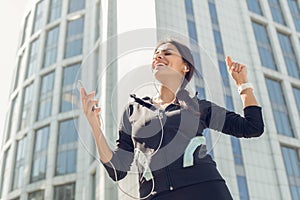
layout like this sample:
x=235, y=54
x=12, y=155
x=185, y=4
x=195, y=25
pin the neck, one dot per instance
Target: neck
x=168, y=90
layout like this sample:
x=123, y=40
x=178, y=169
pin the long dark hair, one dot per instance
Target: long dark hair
x=183, y=95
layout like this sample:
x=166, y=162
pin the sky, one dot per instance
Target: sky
x=11, y=14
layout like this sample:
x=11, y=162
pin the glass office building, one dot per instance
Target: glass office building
x=47, y=151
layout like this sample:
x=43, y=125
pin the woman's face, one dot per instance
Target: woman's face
x=167, y=63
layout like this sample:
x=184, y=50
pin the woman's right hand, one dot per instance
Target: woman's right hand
x=90, y=110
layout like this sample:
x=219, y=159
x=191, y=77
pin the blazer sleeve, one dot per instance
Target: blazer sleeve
x=231, y=123
x=122, y=158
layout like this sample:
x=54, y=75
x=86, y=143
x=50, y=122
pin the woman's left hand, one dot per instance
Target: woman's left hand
x=237, y=71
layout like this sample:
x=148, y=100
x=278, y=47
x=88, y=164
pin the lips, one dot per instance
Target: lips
x=159, y=65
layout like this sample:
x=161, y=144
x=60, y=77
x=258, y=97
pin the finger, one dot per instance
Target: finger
x=228, y=61
x=91, y=95
x=236, y=67
x=97, y=109
x=82, y=92
x=91, y=104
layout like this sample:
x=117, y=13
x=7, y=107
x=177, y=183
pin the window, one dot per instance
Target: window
x=189, y=7
x=98, y=10
x=279, y=108
x=70, y=98
x=55, y=10
x=13, y=119
x=26, y=107
x=192, y=31
x=46, y=93
x=296, y=92
x=65, y=192
x=20, y=164
x=3, y=169
x=67, y=148
x=243, y=188
x=264, y=47
x=25, y=29
x=16, y=78
x=94, y=187
x=33, y=58
x=224, y=73
x=289, y=55
x=37, y=195
x=39, y=14
x=213, y=13
x=218, y=42
x=197, y=61
x=74, y=40
x=229, y=102
x=294, y=8
x=292, y=168
x=276, y=11
x=253, y=6
x=237, y=151
x=51, y=47
x=75, y=5
x=39, y=158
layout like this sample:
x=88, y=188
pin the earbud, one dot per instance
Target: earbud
x=185, y=68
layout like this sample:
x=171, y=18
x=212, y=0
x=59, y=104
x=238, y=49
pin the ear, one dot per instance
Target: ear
x=186, y=68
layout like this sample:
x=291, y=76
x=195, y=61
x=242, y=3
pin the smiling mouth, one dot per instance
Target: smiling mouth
x=159, y=65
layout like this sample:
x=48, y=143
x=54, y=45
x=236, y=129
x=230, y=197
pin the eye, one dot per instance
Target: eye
x=168, y=53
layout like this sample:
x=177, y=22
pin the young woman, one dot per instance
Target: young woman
x=162, y=135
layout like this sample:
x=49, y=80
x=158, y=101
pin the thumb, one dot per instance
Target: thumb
x=228, y=61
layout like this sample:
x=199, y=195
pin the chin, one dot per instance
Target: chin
x=165, y=78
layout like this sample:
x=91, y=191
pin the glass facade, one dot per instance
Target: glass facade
x=289, y=55
x=17, y=75
x=32, y=65
x=294, y=8
x=3, y=167
x=76, y=5
x=264, y=47
x=65, y=192
x=292, y=167
x=74, y=39
x=94, y=187
x=46, y=93
x=20, y=164
x=237, y=151
x=243, y=191
x=67, y=147
x=26, y=107
x=37, y=195
x=51, y=46
x=254, y=6
x=13, y=119
x=70, y=97
x=55, y=10
x=235, y=142
x=280, y=112
x=39, y=158
x=296, y=92
x=276, y=11
x=39, y=16
x=97, y=18
x=25, y=29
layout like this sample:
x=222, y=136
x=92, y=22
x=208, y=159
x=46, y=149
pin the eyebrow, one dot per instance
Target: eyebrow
x=165, y=49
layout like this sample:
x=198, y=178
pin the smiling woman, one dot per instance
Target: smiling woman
x=163, y=135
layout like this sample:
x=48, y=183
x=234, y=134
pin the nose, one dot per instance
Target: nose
x=158, y=55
